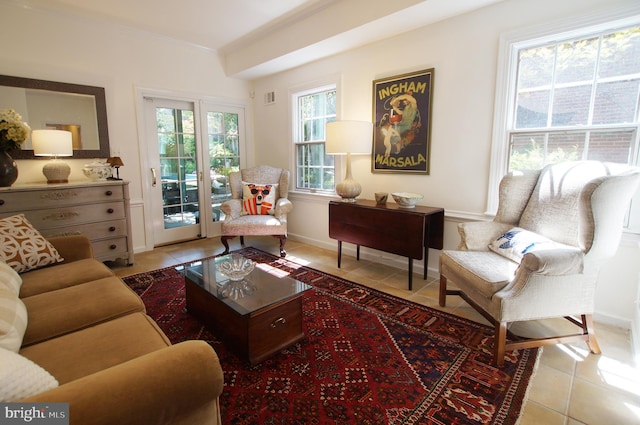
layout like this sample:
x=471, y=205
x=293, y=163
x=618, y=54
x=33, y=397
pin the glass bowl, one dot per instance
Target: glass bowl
x=236, y=268
x=406, y=199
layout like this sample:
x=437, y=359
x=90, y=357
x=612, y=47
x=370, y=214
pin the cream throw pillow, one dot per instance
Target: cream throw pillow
x=9, y=278
x=13, y=320
x=23, y=247
x=20, y=377
x=516, y=242
x=258, y=198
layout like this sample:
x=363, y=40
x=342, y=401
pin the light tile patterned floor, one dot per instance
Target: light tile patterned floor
x=570, y=387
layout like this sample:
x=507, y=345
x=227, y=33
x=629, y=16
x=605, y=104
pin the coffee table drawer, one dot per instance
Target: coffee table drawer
x=272, y=330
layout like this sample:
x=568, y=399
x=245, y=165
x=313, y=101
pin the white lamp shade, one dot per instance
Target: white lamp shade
x=344, y=137
x=52, y=143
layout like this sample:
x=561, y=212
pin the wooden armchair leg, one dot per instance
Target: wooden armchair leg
x=283, y=240
x=225, y=243
x=499, y=343
x=592, y=342
x=443, y=291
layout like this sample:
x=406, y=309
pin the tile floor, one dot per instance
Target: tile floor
x=570, y=387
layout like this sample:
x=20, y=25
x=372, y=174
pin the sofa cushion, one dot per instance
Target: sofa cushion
x=66, y=310
x=13, y=320
x=20, y=377
x=63, y=275
x=93, y=349
x=23, y=247
x=9, y=278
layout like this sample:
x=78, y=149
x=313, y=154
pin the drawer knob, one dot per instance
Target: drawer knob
x=108, y=193
x=110, y=210
x=279, y=321
x=1, y=201
x=112, y=228
x=113, y=246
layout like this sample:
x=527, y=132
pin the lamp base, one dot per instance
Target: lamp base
x=56, y=171
x=348, y=190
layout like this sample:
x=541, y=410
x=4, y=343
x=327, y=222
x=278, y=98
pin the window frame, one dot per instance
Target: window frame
x=294, y=95
x=505, y=93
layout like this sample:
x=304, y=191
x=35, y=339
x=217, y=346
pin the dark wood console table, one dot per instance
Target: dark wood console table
x=409, y=232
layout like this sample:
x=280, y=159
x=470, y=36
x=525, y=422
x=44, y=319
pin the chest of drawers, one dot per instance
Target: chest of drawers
x=99, y=210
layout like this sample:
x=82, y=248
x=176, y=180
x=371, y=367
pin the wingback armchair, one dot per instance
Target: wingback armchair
x=259, y=205
x=541, y=255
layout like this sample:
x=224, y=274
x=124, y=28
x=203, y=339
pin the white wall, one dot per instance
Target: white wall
x=59, y=47
x=464, y=51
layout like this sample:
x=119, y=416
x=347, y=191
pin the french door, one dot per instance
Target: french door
x=192, y=148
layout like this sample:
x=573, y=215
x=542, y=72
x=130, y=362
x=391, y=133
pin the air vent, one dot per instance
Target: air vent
x=270, y=98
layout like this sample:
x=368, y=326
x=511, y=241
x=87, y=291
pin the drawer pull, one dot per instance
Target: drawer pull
x=112, y=228
x=113, y=246
x=280, y=321
x=110, y=210
x=1, y=201
x=108, y=193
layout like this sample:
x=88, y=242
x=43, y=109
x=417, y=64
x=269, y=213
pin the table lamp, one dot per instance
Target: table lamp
x=346, y=138
x=53, y=143
x=115, y=162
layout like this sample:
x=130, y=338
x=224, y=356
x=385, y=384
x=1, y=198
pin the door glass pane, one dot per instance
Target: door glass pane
x=224, y=156
x=178, y=167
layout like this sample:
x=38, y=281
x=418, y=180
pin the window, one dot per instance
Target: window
x=313, y=109
x=568, y=97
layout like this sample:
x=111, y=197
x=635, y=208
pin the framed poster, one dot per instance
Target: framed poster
x=402, y=123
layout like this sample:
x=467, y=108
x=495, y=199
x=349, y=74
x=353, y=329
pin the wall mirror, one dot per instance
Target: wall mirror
x=63, y=106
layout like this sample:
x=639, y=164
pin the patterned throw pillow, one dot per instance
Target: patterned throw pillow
x=517, y=242
x=13, y=320
x=20, y=377
x=22, y=247
x=258, y=199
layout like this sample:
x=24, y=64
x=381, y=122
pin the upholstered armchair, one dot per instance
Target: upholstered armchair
x=541, y=255
x=259, y=205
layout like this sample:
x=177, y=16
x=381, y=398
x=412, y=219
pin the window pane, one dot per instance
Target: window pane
x=533, y=109
x=576, y=61
x=571, y=106
x=563, y=147
x=527, y=152
x=619, y=54
x=615, y=102
x=613, y=146
x=535, y=67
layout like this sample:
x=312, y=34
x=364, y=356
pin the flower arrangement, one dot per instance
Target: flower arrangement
x=13, y=131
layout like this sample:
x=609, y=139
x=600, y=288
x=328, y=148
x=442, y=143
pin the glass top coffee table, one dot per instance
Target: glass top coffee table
x=257, y=316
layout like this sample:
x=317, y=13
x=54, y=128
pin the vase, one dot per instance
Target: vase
x=8, y=170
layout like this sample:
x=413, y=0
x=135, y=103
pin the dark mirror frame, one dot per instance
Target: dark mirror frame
x=101, y=112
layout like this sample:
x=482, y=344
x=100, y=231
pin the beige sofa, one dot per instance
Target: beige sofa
x=112, y=362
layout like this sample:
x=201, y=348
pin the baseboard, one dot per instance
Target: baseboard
x=370, y=254
x=635, y=337
x=614, y=321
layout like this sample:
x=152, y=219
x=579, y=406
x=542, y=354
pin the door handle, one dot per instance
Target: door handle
x=153, y=177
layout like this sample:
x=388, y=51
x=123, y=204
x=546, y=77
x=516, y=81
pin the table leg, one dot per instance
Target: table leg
x=426, y=262
x=358, y=252
x=410, y=273
x=339, y=252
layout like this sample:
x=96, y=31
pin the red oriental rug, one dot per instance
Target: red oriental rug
x=368, y=358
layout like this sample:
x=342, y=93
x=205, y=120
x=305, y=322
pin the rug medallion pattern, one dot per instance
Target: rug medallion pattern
x=368, y=358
